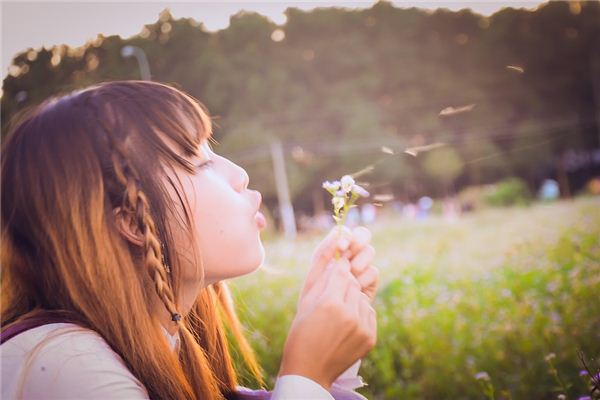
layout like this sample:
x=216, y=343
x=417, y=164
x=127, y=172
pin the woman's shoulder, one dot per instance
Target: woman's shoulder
x=64, y=360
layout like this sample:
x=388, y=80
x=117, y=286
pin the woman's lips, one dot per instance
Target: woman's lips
x=260, y=219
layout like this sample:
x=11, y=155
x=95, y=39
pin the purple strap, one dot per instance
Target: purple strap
x=31, y=323
x=338, y=394
x=241, y=394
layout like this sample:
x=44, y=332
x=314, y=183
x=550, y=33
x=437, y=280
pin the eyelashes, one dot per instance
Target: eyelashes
x=206, y=164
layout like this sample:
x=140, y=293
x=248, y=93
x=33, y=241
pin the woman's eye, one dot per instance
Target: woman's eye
x=206, y=164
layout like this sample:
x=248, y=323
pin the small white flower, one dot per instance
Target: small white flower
x=550, y=356
x=482, y=376
x=338, y=203
x=347, y=183
x=344, y=193
x=331, y=186
x=359, y=190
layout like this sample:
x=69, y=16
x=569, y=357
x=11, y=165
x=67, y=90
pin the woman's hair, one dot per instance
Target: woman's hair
x=66, y=166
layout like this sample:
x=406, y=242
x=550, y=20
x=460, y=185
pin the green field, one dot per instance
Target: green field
x=497, y=291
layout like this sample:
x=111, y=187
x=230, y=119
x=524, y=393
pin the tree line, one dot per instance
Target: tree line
x=342, y=89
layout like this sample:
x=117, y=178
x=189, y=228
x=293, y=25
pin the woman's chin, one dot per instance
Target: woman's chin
x=252, y=263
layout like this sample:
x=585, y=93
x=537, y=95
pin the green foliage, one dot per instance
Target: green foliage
x=443, y=165
x=509, y=192
x=495, y=292
x=344, y=82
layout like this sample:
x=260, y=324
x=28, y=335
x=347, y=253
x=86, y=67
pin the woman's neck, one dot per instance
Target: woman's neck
x=187, y=298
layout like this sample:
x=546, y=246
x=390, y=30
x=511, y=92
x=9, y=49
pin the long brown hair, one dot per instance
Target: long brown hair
x=66, y=165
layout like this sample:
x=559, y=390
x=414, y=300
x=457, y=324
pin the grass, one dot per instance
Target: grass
x=496, y=291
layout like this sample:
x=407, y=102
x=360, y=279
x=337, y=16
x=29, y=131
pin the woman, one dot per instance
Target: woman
x=119, y=227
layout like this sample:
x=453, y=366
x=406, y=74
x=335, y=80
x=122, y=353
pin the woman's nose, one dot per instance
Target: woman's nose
x=240, y=178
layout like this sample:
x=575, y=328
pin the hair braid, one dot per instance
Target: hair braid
x=136, y=202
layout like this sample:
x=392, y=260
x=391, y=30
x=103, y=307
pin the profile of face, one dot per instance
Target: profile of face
x=226, y=221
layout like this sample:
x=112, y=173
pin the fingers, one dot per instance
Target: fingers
x=338, y=280
x=361, y=237
x=363, y=259
x=369, y=280
x=366, y=319
x=337, y=272
x=351, y=244
x=338, y=239
x=353, y=298
x=366, y=312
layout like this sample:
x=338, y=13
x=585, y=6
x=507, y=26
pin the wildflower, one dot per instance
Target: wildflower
x=482, y=376
x=347, y=183
x=331, y=186
x=344, y=193
x=584, y=398
x=583, y=372
x=550, y=356
x=338, y=203
x=340, y=193
x=359, y=190
x=562, y=397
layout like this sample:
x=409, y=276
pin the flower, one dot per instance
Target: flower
x=338, y=203
x=347, y=183
x=482, y=376
x=344, y=193
x=550, y=356
x=562, y=397
x=331, y=186
x=340, y=193
x=359, y=190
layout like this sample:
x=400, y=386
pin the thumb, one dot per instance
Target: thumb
x=328, y=275
x=338, y=239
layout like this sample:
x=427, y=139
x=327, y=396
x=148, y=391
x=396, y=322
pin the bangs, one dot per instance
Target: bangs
x=164, y=118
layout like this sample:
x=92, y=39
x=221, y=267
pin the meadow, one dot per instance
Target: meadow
x=496, y=304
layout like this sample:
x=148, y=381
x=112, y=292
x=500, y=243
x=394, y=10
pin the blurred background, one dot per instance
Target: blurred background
x=476, y=128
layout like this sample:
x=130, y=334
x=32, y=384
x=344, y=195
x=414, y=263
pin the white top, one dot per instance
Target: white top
x=65, y=361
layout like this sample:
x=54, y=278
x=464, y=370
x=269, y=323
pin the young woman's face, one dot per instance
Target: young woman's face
x=225, y=220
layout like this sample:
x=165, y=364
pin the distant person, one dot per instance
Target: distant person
x=120, y=226
x=368, y=213
x=424, y=205
x=450, y=209
x=549, y=190
x=353, y=217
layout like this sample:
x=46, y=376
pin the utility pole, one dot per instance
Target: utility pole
x=595, y=71
x=286, y=209
x=140, y=56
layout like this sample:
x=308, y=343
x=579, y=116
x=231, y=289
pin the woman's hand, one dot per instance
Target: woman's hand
x=354, y=245
x=361, y=255
x=335, y=325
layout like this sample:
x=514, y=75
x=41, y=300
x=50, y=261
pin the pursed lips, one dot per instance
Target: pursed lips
x=257, y=200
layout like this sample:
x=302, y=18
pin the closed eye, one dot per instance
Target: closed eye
x=206, y=164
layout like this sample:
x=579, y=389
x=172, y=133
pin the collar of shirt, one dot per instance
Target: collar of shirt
x=173, y=340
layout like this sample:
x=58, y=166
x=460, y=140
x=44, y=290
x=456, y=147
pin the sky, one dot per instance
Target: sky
x=46, y=23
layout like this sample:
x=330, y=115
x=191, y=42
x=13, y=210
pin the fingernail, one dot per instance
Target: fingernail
x=343, y=244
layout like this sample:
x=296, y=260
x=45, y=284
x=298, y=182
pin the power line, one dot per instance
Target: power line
x=359, y=145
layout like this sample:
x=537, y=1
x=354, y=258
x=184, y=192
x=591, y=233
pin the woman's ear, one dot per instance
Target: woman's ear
x=128, y=227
